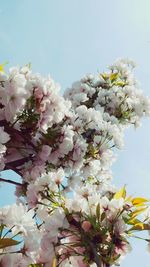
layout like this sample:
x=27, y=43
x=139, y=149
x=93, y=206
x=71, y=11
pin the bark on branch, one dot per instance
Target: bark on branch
x=17, y=163
x=10, y=181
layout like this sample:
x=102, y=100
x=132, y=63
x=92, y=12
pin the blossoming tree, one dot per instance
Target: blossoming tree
x=68, y=212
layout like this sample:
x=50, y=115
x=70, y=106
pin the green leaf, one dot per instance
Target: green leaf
x=7, y=242
x=98, y=211
x=103, y=216
x=1, y=228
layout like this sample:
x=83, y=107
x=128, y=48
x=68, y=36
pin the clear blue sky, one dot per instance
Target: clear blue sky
x=68, y=38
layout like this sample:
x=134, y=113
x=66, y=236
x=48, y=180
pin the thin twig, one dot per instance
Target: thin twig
x=10, y=181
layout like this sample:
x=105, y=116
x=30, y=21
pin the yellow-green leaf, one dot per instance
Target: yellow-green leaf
x=114, y=76
x=54, y=263
x=133, y=221
x=121, y=193
x=139, y=201
x=137, y=212
x=7, y=242
x=120, y=83
x=2, y=67
x=140, y=227
x=93, y=151
x=105, y=76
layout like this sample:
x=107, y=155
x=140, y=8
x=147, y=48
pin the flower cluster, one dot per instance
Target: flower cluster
x=87, y=229
x=68, y=213
x=115, y=94
x=4, y=138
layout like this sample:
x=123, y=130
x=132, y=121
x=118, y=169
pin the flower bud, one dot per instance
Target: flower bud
x=86, y=225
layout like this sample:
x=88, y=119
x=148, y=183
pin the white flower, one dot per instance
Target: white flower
x=55, y=221
x=91, y=169
x=19, y=218
x=4, y=137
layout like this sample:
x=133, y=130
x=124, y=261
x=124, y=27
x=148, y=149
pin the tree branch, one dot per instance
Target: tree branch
x=17, y=162
x=10, y=181
x=96, y=257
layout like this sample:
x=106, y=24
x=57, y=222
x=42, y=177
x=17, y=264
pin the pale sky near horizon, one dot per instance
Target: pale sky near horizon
x=68, y=38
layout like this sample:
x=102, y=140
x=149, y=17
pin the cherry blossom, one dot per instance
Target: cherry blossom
x=68, y=212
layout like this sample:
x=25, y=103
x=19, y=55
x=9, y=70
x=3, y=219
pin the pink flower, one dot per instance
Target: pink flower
x=81, y=263
x=38, y=93
x=46, y=150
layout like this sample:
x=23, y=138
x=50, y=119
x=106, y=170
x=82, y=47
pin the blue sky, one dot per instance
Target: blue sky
x=70, y=38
